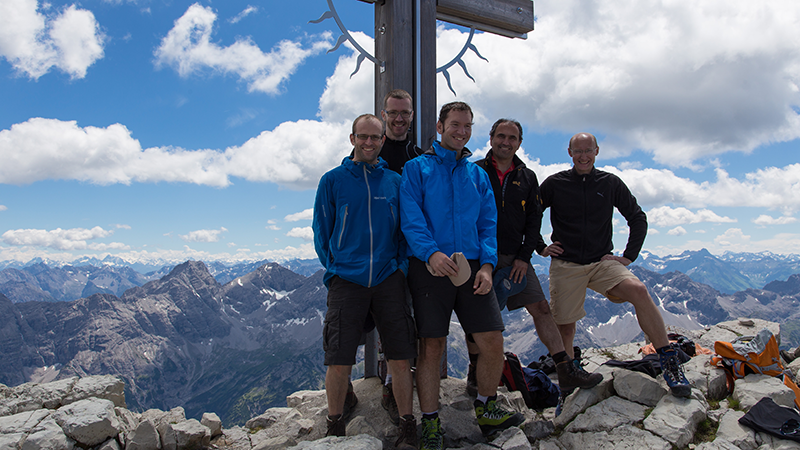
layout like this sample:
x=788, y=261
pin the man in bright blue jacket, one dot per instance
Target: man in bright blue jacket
x=447, y=206
x=358, y=240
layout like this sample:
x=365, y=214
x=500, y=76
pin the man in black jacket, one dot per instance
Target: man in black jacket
x=519, y=219
x=582, y=202
x=397, y=114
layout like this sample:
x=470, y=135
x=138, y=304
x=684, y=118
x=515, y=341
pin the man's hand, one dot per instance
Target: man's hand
x=623, y=260
x=553, y=249
x=518, y=270
x=442, y=265
x=483, y=280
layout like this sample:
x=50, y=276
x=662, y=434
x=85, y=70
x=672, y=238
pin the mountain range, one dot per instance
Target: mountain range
x=237, y=339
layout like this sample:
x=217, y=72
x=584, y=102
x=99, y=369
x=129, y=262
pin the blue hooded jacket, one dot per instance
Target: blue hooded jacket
x=448, y=205
x=357, y=223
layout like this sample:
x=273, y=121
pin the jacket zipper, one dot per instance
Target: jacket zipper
x=344, y=222
x=369, y=214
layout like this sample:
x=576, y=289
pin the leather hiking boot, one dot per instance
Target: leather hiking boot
x=350, y=402
x=571, y=375
x=472, y=381
x=389, y=404
x=407, y=439
x=432, y=436
x=673, y=373
x=336, y=427
x=492, y=418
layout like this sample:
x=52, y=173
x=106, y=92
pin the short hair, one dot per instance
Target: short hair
x=399, y=94
x=573, y=138
x=454, y=106
x=369, y=116
x=502, y=121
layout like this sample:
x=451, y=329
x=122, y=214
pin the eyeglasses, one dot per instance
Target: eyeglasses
x=366, y=137
x=583, y=152
x=394, y=114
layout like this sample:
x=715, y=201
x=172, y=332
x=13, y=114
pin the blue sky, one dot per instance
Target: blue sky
x=164, y=131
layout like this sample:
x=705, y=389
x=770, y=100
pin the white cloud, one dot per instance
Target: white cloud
x=59, y=239
x=3, y=207
x=305, y=233
x=187, y=48
x=732, y=237
x=33, y=43
x=203, y=235
x=273, y=227
x=677, y=231
x=306, y=214
x=122, y=226
x=690, y=82
x=246, y=12
x=764, y=220
x=664, y=216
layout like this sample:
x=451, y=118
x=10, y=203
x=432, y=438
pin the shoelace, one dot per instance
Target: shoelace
x=493, y=411
x=673, y=369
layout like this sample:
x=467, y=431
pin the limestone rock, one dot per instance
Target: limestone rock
x=90, y=421
x=191, y=435
x=213, y=423
x=738, y=435
x=47, y=435
x=626, y=437
x=607, y=415
x=581, y=399
x=675, y=419
x=144, y=437
x=360, y=442
x=638, y=387
x=752, y=388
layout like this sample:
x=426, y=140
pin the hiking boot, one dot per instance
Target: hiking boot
x=407, y=440
x=390, y=404
x=350, y=402
x=571, y=375
x=492, y=418
x=432, y=435
x=673, y=373
x=472, y=381
x=336, y=427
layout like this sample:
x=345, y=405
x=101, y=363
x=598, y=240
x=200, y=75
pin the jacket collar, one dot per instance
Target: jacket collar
x=356, y=166
x=590, y=175
x=449, y=156
x=518, y=164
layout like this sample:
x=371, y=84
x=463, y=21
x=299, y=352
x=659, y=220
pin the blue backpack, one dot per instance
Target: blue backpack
x=538, y=391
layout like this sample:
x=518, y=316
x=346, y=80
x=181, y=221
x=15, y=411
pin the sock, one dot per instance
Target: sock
x=334, y=418
x=483, y=399
x=473, y=359
x=560, y=356
x=430, y=415
x=664, y=349
x=388, y=379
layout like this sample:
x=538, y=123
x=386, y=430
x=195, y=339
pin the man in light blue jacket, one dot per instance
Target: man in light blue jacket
x=447, y=206
x=358, y=240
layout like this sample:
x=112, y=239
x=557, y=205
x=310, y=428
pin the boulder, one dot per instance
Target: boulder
x=638, y=387
x=675, y=419
x=212, y=421
x=752, y=388
x=144, y=437
x=90, y=421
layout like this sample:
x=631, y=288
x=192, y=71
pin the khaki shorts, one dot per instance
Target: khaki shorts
x=568, y=283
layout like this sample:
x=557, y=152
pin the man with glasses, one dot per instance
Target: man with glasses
x=447, y=207
x=519, y=219
x=397, y=114
x=358, y=240
x=582, y=202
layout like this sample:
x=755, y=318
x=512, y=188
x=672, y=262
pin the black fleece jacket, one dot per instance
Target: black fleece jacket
x=519, y=213
x=581, y=209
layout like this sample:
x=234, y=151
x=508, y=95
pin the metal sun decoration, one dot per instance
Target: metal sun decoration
x=363, y=54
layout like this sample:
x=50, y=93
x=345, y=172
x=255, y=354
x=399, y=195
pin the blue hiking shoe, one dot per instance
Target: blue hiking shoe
x=673, y=373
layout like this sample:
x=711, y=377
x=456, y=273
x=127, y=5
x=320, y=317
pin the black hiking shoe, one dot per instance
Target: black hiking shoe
x=407, y=439
x=492, y=418
x=673, y=373
x=472, y=381
x=390, y=404
x=571, y=375
x=336, y=426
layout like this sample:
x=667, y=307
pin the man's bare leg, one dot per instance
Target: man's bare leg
x=428, y=363
x=402, y=385
x=336, y=379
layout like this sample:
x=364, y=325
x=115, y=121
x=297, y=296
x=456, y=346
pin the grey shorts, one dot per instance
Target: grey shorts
x=349, y=304
x=435, y=299
x=532, y=293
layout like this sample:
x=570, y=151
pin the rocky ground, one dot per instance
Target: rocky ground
x=627, y=410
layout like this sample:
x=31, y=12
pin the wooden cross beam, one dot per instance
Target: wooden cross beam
x=405, y=46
